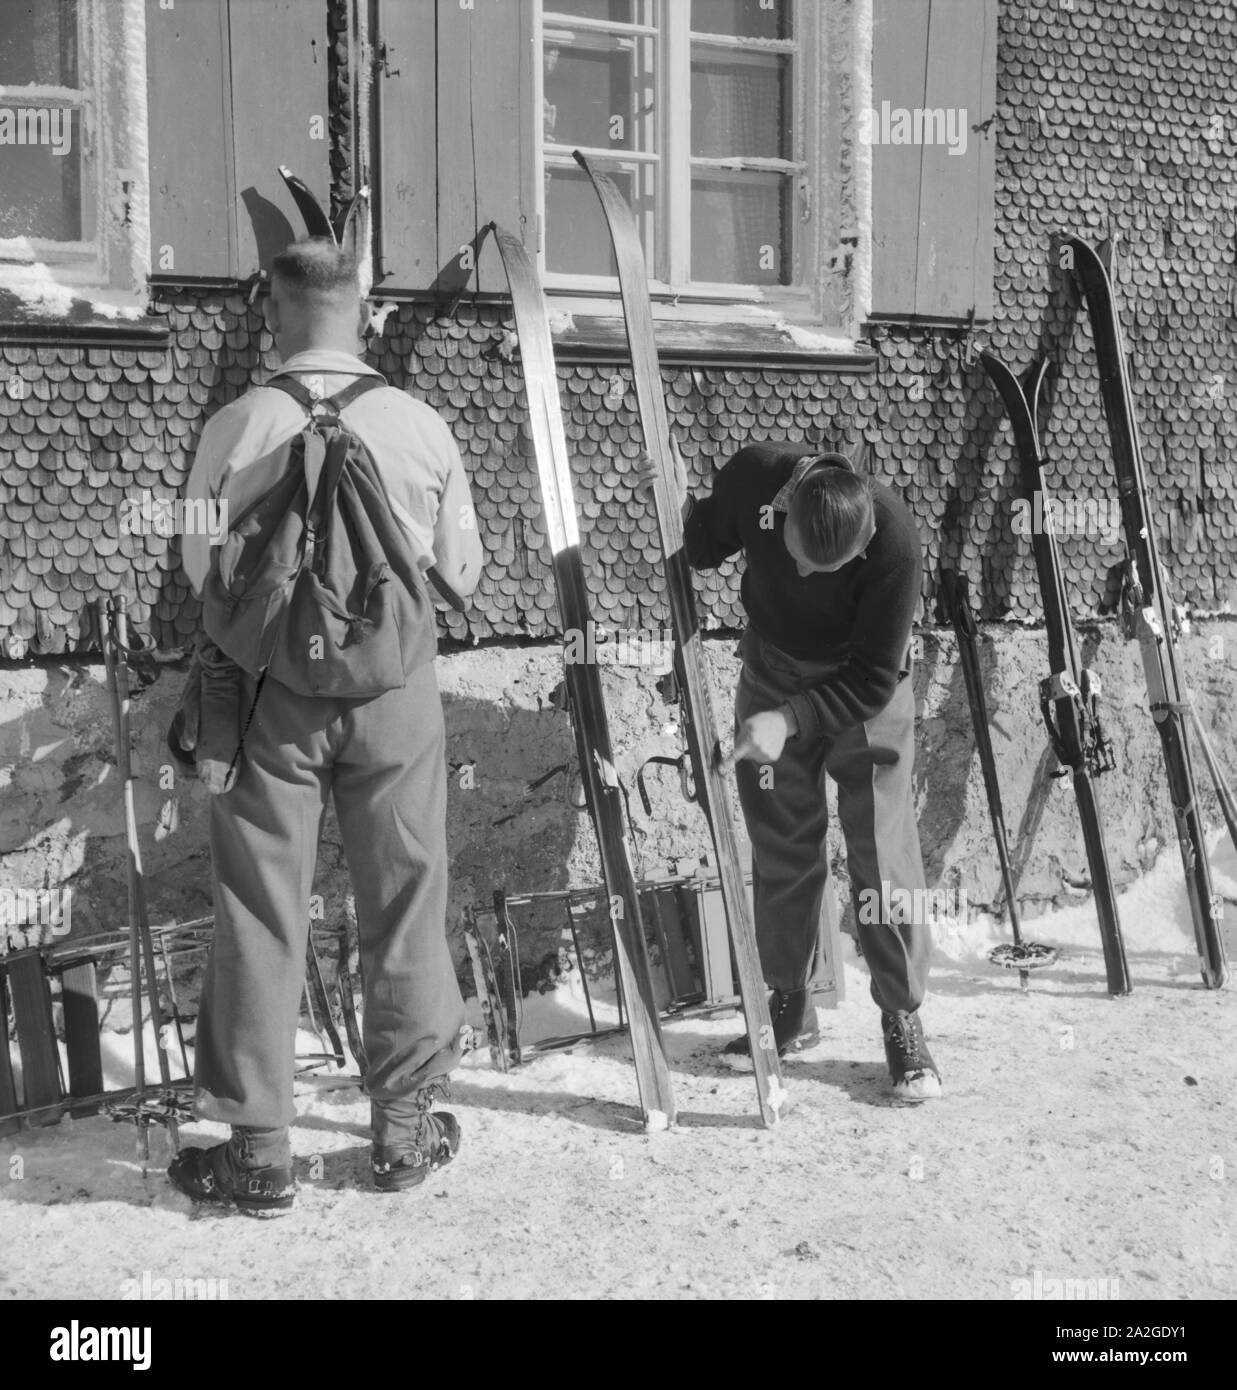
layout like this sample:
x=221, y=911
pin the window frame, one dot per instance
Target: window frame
x=112, y=99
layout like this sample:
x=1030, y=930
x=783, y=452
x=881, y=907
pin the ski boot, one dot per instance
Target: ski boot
x=410, y=1142
x=795, y=1029
x=911, y=1067
x=253, y=1169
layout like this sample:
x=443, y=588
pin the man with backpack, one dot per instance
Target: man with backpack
x=343, y=494
x=833, y=575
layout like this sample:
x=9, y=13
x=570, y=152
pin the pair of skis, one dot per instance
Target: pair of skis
x=603, y=792
x=1150, y=615
x=1069, y=694
x=1069, y=697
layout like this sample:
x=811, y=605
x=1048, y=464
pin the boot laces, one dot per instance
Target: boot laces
x=904, y=1035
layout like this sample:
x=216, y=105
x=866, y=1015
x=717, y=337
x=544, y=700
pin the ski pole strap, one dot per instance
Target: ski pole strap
x=682, y=766
x=1170, y=707
x=240, y=746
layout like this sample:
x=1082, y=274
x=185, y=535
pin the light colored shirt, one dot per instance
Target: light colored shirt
x=244, y=450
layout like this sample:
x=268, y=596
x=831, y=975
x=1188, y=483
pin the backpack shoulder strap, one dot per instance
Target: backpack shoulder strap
x=341, y=400
x=290, y=386
x=301, y=394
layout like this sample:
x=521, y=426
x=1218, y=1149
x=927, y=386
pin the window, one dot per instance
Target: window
x=72, y=148
x=697, y=109
x=46, y=112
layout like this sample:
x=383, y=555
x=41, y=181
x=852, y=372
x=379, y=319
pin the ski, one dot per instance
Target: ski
x=704, y=746
x=488, y=997
x=1069, y=695
x=320, y=1015
x=1024, y=956
x=1147, y=607
x=585, y=698
x=317, y=220
x=348, y=985
x=510, y=982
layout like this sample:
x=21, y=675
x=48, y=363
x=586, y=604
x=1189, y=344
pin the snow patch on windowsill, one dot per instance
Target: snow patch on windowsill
x=35, y=290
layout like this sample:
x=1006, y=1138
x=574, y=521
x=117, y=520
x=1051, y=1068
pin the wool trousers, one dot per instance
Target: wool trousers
x=383, y=762
x=787, y=820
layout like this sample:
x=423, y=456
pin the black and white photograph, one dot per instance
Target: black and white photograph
x=618, y=665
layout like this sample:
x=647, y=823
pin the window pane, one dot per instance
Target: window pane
x=577, y=242
x=615, y=11
x=741, y=229
x=741, y=108
x=38, y=43
x=599, y=93
x=748, y=19
x=43, y=188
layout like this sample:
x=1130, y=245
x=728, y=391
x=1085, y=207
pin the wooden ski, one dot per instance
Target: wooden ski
x=584, y=691
x=701, y=726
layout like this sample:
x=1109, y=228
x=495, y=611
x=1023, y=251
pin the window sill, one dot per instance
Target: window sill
x=70, y=321
x=590, y=338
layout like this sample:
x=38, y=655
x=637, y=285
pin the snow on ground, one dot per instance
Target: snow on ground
x=1080, y=1138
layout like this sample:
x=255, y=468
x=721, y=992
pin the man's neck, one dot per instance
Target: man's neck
x=337, y=343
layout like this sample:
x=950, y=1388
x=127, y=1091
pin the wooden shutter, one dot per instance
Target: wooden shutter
x=485, y=126
x=188, y=84
x=932, y=209
x=234, y=89
x=405, y=155
x=455, y=120
x=279, y=116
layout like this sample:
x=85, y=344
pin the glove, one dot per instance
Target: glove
x=218, y=736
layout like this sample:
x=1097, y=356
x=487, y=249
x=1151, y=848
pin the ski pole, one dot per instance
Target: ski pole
x=137, y=882
x=106, y=641
x=956, y=594
x=1224, y=793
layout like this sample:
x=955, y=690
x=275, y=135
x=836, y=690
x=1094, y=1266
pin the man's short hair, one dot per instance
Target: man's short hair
x=832, y=508
x=315, y=269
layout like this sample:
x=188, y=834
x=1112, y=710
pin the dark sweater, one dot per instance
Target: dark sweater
x=859, y=615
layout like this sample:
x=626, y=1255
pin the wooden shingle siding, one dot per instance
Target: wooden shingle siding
x=932, y=210
x=234, y=89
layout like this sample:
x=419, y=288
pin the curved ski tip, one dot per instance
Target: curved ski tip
x=656, y=1122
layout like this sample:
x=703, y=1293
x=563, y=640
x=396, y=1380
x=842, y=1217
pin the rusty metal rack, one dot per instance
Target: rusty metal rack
x=686, y=924
x=50, y=972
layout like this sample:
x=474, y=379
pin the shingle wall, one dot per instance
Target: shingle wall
x=1111, y=116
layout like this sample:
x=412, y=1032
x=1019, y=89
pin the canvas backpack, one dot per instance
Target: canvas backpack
x=323, y=594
